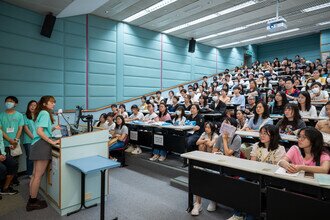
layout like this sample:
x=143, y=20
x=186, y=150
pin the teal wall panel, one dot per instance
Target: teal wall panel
x=306, y=46
x=325, y=42
x=123, y=61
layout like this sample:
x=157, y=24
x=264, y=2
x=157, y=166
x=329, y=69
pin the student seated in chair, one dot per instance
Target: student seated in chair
x=310, y=155
x=324, y=125
x=160, y=154
x=135, y=116
x=267, y=150
x=179, y=118
x=291, y=120
x=208, y=138
x=306, y=109
x=120, y=133
x=225, y=145
x=198, y=129
x=260, y=118
x=217, y=105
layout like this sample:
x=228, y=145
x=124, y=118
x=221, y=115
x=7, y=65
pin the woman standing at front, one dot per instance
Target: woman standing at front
x=41, y=150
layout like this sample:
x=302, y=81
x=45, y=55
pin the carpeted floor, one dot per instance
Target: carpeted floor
x=136, y=194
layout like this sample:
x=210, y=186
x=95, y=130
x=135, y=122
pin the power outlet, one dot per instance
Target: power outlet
x=88, y=196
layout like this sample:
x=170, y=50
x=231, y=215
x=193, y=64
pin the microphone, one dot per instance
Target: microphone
x=72, y=129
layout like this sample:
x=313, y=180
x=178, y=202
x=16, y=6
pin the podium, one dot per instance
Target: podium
x=61, y=185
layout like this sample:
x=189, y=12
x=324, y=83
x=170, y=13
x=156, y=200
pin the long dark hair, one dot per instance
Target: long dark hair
x=44, y=100
x=162, y=114
x=265, y=114
x=28, y=113
x=284, y=99
x=308, y=100
x=316, y=139
x=296, y=115
x=122, y=122
x=274, y=136
x=183, y=114
x=212, y=127
x=103, y=115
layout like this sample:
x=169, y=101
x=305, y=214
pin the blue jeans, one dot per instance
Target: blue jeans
x=117, y=145
x=159, y=152
x=29, y=163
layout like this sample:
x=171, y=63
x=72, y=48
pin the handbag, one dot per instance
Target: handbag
x=112, y=141
x=17, y=150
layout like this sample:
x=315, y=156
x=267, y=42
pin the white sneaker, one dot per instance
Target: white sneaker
x=154, y=158
x=129, y=149
x=161, y=158
x=235, y=217
x=197, y=208
x=212, y=206
x=137, y=151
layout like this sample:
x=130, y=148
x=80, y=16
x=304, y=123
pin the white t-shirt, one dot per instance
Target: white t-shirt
x=139, y=115
x=323, y=95
x=311, y=113
x=150, y=117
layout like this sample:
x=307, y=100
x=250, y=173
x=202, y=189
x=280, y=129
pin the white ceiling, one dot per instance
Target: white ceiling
x=183, y=11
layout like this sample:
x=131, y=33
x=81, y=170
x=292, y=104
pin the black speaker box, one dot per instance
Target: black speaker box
x=192, y=44
x=48, y=25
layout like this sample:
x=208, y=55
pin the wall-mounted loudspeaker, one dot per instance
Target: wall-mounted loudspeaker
x=48, y=25
x=192, y=44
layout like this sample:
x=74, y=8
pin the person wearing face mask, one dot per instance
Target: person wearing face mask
x=12, y=123
x=308, y=86
x=318, y=94
x=152, y=101
x=217, y=105
x=180, y=118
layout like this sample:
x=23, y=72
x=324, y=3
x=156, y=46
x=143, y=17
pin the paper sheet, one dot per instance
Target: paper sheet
x=282, y=171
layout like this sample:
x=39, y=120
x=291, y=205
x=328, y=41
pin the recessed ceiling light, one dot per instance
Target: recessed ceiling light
x=226, y=45
x=283, y=32
x=323, y=23
x=211, y=16
x=233, y=30
x=106, y=12
x=314, y=8
x=152, y=8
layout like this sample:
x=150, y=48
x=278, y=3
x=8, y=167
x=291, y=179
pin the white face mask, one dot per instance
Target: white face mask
x=309, y=84
x=152, y=101
x=215, y=98
x=328, y=80
x=178, y=112
x=273, y=77
x=265, y=81
x=235, y=83
x=316, y=90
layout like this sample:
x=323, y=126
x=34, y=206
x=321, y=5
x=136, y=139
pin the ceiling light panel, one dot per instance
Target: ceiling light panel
x=152, y=8
x=212, y=16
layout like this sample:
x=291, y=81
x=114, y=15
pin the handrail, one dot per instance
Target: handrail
x=139, y=97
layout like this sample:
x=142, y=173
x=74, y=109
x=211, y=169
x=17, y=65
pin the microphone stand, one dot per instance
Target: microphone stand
x=72, y=129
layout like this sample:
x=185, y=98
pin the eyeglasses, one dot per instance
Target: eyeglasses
x=301, y=137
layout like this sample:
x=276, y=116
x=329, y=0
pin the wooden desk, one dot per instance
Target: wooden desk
x=211, y=177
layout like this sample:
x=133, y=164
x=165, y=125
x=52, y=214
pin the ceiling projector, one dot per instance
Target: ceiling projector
x=276, y=24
